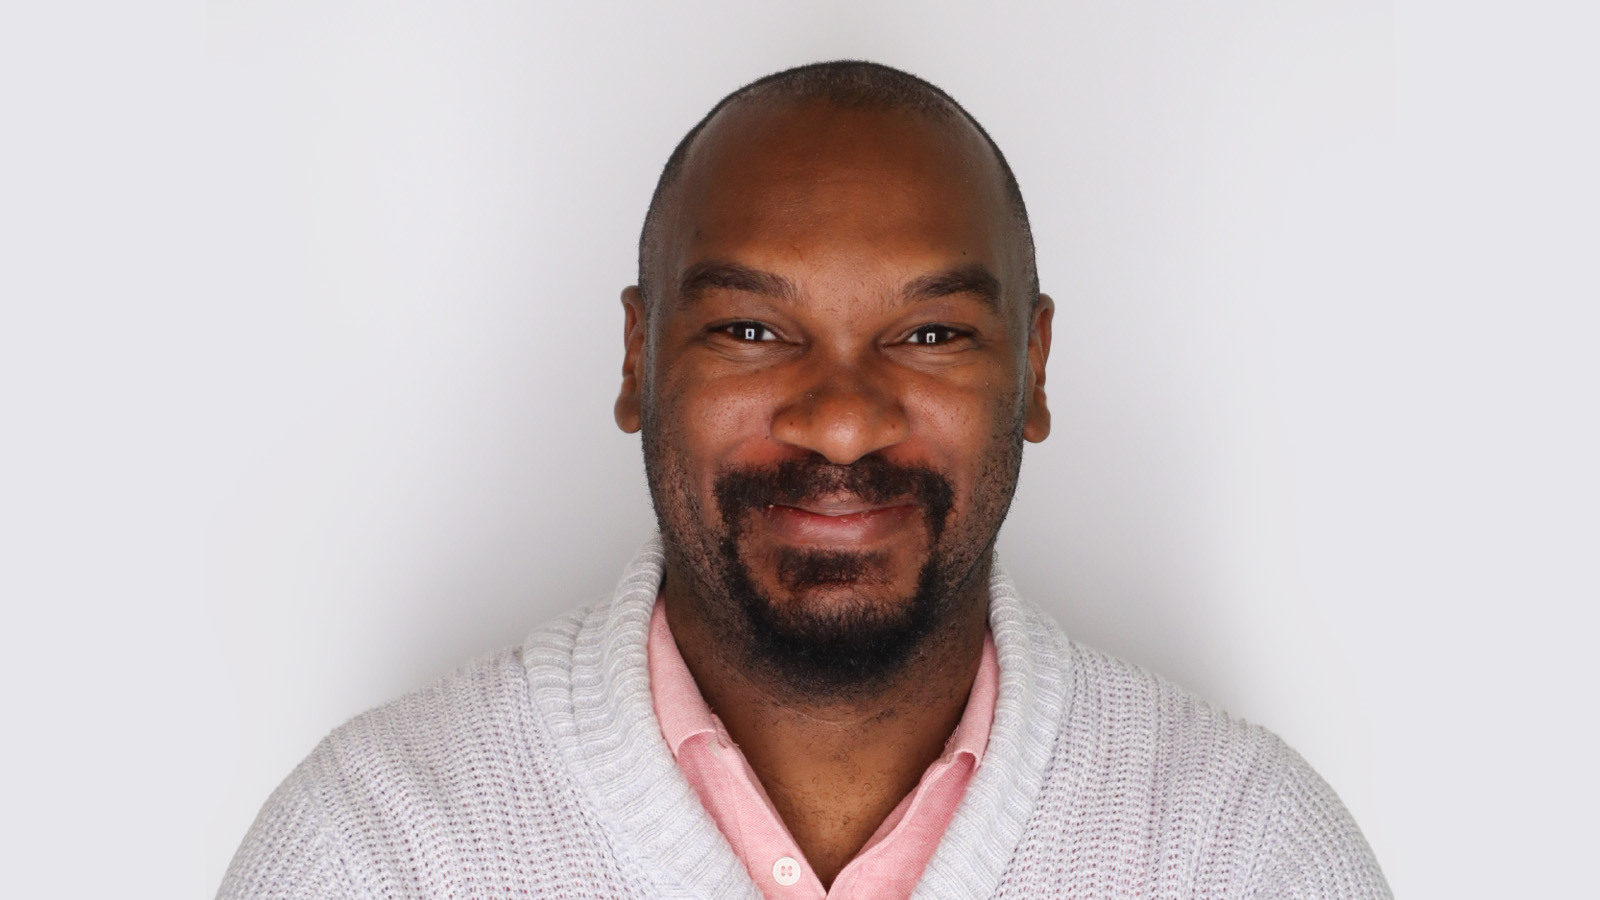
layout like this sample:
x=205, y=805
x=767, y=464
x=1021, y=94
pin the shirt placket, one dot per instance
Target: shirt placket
x=772, y=857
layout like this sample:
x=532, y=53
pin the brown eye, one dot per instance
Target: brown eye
x=933, y=334
x=753, y=332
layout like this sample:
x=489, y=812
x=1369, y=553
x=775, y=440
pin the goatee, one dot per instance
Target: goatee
x=850, y=644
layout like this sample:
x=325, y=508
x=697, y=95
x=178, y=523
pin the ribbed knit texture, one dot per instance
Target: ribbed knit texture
x=540, y=771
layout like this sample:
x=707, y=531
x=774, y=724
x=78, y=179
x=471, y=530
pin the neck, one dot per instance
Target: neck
x=833, y=768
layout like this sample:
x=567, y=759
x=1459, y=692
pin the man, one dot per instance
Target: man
x=816, y=681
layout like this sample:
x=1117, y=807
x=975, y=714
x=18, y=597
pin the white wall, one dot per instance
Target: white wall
x=308, y=376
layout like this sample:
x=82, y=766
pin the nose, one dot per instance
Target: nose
x=843, y=415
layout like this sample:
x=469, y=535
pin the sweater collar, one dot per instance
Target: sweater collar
x=589, y=678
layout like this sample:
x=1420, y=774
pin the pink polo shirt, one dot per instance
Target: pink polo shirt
x=892, y=860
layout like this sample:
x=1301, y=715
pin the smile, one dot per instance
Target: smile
x=840, y=523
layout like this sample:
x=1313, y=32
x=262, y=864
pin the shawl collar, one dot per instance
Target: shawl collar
x=589, y=680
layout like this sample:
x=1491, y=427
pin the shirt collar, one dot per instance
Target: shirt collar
x=589, y=682
x=683, y=713
x=972, y=732
x=680, y=708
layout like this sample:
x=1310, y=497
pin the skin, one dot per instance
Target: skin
x=847, y=239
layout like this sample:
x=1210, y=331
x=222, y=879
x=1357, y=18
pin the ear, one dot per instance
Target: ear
x=633, y=328
x=1036, y=426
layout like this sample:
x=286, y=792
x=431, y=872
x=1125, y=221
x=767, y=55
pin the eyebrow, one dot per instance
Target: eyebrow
x=973, y=278
x=704, y=277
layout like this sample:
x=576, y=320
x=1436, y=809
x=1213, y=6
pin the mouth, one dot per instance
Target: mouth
x=840, y=522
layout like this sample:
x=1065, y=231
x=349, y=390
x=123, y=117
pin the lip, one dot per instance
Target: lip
x=839, y=522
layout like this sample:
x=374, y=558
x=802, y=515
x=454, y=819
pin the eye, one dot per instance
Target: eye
x=935, y=335
x=753, y=332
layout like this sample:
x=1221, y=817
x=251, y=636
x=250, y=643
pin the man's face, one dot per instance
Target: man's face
x=834, y=381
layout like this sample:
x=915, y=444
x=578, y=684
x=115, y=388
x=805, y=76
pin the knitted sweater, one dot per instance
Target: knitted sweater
x=541, y=771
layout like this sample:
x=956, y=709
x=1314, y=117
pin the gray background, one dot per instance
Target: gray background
x=309, y=371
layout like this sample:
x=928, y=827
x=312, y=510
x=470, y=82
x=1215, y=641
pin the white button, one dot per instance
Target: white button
x=786, y=871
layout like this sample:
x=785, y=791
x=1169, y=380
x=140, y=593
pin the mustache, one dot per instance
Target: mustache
x=871, y=478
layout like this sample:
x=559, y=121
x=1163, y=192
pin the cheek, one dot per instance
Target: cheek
x=717, y=422
x=966, y=430
x=958, y=419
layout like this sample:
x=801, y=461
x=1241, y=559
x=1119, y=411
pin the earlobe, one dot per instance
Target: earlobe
x=1036, y=426
x=626, y=409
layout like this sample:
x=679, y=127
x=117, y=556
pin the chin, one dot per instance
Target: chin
x=832, y=625
x=783, y=567
x=842, y=603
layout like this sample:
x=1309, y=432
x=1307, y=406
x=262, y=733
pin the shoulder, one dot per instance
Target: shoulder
x=1112, y=702
x=456, y=788
x=375, y=787
x=1151, y=784
x=476, y=706
x=1137, y=745
x=1310, y=845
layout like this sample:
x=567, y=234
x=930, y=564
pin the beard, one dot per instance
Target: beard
x=827, y=648
x=826, y=630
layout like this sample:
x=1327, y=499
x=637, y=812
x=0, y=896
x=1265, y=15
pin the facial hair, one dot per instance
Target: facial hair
x=827, y=650
x=851, y=646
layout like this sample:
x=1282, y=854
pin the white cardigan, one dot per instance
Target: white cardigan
x=540, y=771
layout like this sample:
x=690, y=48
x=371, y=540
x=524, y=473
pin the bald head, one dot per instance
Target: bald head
x=847, y=87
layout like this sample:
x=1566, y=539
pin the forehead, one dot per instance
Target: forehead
x=798, y=187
